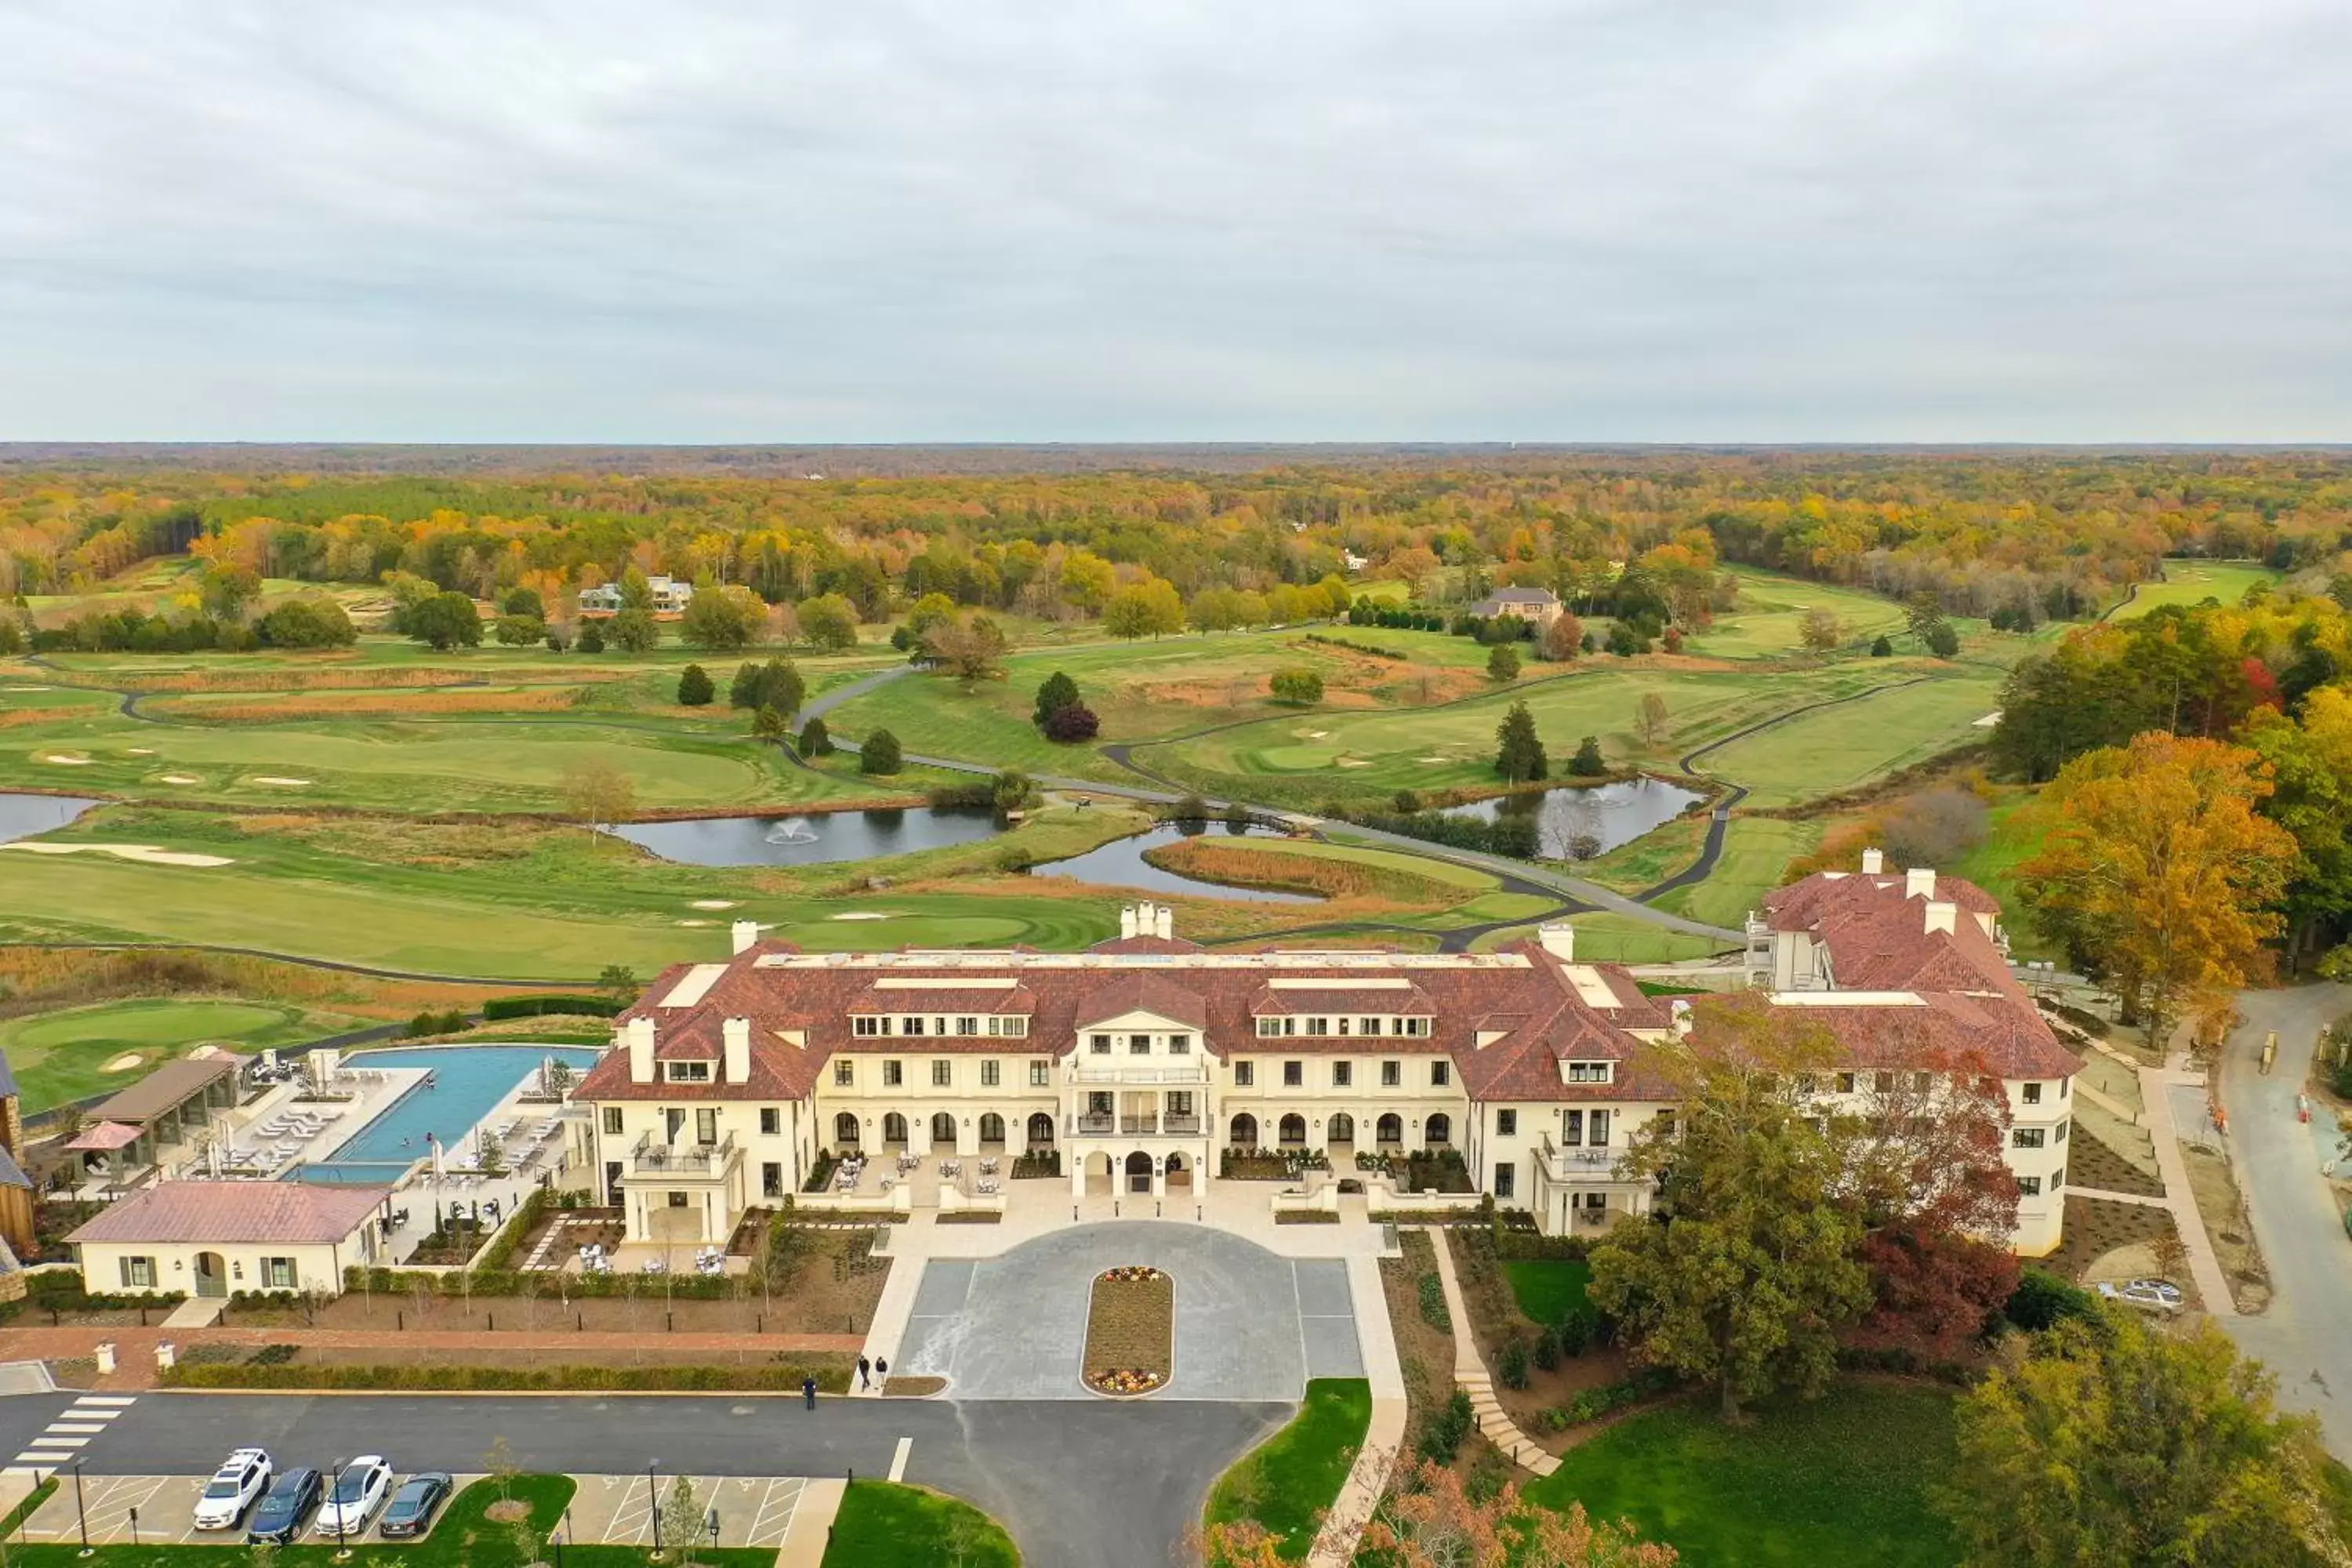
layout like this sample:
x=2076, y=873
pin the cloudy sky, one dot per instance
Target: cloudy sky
x=1677, y=220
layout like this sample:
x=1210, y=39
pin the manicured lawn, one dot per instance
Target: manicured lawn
x=1649, y=860
x=1287, y=1482
x=1756, y=853
x=2194, y=582
x=1837, y=1482
x=463, y=1538
x=1833, y=749
x=913, y=1527
x=1551, y=1289
x=1620, y=938
x=2011, y=839
x=1768, y=620
x=64, y=1055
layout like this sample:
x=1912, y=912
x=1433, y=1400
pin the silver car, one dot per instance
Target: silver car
x=2150, y=1295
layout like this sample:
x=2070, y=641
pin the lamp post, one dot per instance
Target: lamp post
x=134, y=1527
x=81, y=1512
x=335, y=1501
x=653, y=1501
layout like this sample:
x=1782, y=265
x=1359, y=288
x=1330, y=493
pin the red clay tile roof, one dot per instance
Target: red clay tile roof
x=295, y=1213
x=1338, y=997
x=1147, y=945
x=1153, y=993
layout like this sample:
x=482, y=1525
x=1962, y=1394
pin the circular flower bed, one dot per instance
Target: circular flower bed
x=1131, y=1330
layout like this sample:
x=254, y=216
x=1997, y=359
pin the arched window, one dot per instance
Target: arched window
x=1340, y=1129
x=1245, y=1131
x=1389, y=1129
x=1438, y=1130
x=1041, y=1130
x=1293, y=1129
x=942, y=1129
x=992, y=1128
x=844, y=1128
x=894, y=1128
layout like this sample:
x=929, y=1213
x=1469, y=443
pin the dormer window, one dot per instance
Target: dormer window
x=914, y=1026
x=968, y=1026
x=1318, y=1026
x=1590, y=1072
x=1012, y=1024
x=689, y=1072
x=1270, y=1028
x=1368, y=1026
x=1416, y=1025
x=868, y=1024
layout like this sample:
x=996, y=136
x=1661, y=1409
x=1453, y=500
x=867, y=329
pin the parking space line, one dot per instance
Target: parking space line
x=898, y=1459
x=773, y=1520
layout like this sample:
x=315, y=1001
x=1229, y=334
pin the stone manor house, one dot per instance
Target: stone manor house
x=1143, y=1059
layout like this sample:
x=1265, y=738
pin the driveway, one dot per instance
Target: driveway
x=2302, y=1336
x=1249, y=1325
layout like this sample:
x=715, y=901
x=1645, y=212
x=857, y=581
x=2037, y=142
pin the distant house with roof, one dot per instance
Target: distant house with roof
x=671, y=596
x=1538, y=606
x=214, y=1238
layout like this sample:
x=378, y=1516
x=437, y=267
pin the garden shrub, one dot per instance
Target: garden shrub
x=1442, y=1438
x=2041, y=1300
x=1512, y=1366
x=539, y=1006
x=1433, y=1304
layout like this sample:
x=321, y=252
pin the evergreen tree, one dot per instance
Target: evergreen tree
x=1503, y=664
x=1058, y=692
x=1882, y=648
x=879, y=754
x=815, y=741
x=1587, y=764
x=694, y=688
x=1519, y=752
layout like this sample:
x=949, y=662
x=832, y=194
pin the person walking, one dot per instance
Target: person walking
x=808, y=1392
x=865, y=1371
x=882, y=1374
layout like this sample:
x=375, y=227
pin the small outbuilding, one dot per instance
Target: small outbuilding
x=215, y=1238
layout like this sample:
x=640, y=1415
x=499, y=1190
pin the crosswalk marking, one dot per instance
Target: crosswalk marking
x=118, y=1400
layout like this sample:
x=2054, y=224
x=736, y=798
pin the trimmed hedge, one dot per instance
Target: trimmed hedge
x=1592, y=1404
x=502, y=1249
x=544, y=1285
x=536, y=1006
x=778, y=1377
x=60, y=1290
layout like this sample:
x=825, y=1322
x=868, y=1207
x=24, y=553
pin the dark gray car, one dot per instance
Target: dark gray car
x=411, y=1508
x=280, y=1516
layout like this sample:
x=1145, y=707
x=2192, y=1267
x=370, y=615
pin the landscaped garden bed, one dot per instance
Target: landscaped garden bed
x=1541, y=1339
x=1131, y=1332
x=1289, y=1482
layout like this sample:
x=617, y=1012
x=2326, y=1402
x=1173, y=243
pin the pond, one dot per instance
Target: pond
x=22, y=816
x=816, y=839
x=1120, y=864
x=1577, y=823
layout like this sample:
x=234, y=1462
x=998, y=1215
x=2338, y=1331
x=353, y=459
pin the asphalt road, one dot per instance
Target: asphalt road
x=1080, y=1485
x=2302, y=1336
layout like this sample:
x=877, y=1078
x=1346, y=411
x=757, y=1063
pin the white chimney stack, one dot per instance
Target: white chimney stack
x=1941, y=916
x=1919, y=882
x=1874, y=861
x=1558, y=939
x=1126, y=920
x=736, y=1033
x=1163, y=922
x=746, y=935
x=639, y=1034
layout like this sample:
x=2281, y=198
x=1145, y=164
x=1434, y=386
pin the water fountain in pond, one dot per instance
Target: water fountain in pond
x=792, y=830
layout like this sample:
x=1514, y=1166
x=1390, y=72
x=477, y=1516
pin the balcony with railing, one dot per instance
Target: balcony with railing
x=1094, y=1125
x=1587, y=1165
x=687, y=1161
x=1108, y=1069
x=1184, y=1126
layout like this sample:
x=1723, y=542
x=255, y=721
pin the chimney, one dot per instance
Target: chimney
x=1874, y=861
x=746, y=935
x=1558, y=939
x=1919, y=882
x=1942, y=917
x=736, y=1035
x=1126, y=920
x=1163, y=922
x=639, y=1033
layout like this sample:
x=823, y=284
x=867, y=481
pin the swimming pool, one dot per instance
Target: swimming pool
x=467, y=1083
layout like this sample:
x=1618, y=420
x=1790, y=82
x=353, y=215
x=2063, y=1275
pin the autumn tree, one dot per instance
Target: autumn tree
x=1819, y=630
x=829, y=621
x=2310, y=762
x=2156, y=874
x=971, y=649
x=598, y=794
x=1650, y=719
x=1298, y=688
x=723, y=618
x=633, y=631
x=1433, y=1521
x=1564, y=638
x=1147, y=609
x=1518, y=750
x=2115, y=1445
x=443, y=622
x=1751, y=1269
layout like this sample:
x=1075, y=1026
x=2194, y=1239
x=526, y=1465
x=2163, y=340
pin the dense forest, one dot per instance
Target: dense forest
x=2018, y=537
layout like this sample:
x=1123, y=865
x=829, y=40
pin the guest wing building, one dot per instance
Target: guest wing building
x=1140, y=1061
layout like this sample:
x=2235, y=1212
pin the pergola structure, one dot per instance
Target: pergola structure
x=165, y=1110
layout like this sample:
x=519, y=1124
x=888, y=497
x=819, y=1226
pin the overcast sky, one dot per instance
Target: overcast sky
x=2097, y=220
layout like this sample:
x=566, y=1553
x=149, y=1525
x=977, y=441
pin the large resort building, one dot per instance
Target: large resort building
x=1144, y=1059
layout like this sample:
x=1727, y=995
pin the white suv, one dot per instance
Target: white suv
x=243, y=1476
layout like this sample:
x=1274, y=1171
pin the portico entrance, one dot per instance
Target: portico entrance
x=1139, y=1172
x=211, y=1275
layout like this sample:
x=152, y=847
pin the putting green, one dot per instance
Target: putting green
x=64, y=1056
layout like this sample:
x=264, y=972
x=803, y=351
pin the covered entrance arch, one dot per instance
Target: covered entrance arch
x=1040, y=1132
x=211, y=1275
x=1179, y=1175
x=1139, y=1172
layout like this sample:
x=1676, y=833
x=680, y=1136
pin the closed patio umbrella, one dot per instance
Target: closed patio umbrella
x=436, y=1144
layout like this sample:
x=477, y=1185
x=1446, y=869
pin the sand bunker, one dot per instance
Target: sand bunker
x=62, y=760
x=1432, y=760
x=1988, y=721
x=182, y=779
x=145, y=854
x=861, y=915
x=1352, y=763
x=715, y=903
x=273, y=779
x=142, y=751
x=1314, y=734
x=694, y=922
x=123, y=1063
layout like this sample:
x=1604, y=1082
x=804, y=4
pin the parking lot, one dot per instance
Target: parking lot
x=605, y=1510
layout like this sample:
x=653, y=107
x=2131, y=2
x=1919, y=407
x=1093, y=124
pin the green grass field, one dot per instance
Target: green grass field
x=1833, y=749
x=1768, y=621
x=1756, y=851
x=1837, y=1483
x=1551, y=1290
x=64, y=1056
x=2012, y=838
x=2194, y=582
x=1289, y=1480
x=913, y=1526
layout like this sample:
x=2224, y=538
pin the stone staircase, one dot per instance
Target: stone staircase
x=1470, y=1373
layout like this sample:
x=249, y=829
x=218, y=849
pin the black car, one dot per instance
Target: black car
x=280, y=1515
x=411, y=1508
